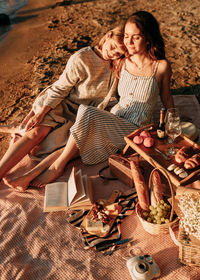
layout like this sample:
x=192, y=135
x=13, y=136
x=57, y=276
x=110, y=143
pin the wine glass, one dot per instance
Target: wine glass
x=171, y=113
x=173, y=127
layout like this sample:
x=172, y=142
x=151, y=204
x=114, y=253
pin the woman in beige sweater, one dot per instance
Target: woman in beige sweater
x=87, y=79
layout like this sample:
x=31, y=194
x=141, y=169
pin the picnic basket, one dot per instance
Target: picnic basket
x=189, y=252
x=156, y=229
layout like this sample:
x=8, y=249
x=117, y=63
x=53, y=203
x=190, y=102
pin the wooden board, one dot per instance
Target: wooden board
x=99, y=233
x=157, y=160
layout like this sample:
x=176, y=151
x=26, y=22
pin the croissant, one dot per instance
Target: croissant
x=192, y=162
x=183, y=154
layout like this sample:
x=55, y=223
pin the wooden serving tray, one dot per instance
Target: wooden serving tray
x=157, y=160
x=99, y=233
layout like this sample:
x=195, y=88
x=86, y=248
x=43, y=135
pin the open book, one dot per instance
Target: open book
x=74, y=194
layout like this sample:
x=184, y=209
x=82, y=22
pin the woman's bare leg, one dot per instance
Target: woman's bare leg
x=57, y=168
x=21, y=183
x=22, y=147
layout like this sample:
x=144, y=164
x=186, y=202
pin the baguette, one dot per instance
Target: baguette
x=192, y=162
x=183, y=154
x=140, y=186
x=156, y=189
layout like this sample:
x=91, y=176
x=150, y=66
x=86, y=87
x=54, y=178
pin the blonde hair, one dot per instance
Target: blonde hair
x=117, y=34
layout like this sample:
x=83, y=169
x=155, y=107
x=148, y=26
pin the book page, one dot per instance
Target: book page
x=71, y=187
x=89, y=189
x=87, y=199
x=80, y=190
x=55, y=195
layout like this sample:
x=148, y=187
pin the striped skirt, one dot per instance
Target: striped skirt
x=99, y=134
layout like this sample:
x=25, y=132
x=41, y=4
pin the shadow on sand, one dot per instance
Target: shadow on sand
x=19, y=19
x=63, y=3
x=189, y=90
x=70, y=2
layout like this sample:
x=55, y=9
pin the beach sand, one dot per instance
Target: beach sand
x=46, y=33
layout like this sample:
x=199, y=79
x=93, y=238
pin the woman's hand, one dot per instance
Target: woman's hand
x=36, y=119
x=27, y=118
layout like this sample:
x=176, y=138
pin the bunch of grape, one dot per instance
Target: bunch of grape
x=159, y=214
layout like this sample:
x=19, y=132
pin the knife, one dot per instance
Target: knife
x=163, y=154
x=119, y=242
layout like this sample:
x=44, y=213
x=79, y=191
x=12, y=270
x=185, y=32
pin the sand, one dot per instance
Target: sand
x=46, y=33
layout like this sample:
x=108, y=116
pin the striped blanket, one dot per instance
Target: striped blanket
x=127, y=200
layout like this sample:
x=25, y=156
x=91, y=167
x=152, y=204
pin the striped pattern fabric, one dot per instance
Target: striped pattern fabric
x=138, y=97
x=127, y=201
x=99, y=134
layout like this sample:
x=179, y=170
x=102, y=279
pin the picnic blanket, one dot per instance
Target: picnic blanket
x=35, y=245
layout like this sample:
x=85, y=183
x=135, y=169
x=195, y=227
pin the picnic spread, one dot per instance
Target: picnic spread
x=137, y=226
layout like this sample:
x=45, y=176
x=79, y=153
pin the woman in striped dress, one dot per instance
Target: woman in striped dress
x=145, y=74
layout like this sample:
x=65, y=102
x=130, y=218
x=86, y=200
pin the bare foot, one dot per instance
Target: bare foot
x=20, y=183
x=48, y=176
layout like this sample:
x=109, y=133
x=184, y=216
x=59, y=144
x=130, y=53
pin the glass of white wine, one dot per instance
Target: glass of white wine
x=173, y=127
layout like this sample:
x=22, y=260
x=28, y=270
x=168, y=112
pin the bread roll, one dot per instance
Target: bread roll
x=140, y=186
x=192, y=162
x=183, y=154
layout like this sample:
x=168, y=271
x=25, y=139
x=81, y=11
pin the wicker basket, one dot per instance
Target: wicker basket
x=189, y=253
x=158, y=228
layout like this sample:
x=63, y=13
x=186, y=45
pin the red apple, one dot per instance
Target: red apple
x=145, y=134
x=148, y=142
x=138, y=140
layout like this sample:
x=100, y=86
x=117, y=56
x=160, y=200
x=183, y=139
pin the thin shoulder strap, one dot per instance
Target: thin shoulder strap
x=155, y=68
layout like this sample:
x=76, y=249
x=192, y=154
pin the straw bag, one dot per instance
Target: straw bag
x=189, y=253
x=158, y=228
x=189, y=245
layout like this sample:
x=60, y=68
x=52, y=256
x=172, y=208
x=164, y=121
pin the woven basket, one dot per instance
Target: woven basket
x=189, y=253
x=158, y=228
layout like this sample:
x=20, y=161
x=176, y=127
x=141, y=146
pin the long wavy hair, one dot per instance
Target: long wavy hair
x=150, y=29
x=117, y=34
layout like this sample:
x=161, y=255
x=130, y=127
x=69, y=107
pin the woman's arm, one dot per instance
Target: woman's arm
x=164, y=77
x=50, y=97
x=73, y=74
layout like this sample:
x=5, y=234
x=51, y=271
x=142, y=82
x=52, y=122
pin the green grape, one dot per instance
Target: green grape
x=154, y=221
x=149, y=220
x=154, y=212
x=166, y=221
x=160, y=214
x=151, y=207
x=162, y=219
x=151, y=213
x=162, y=201
x=145, y=214
x=159, y=209
x=159, y=222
